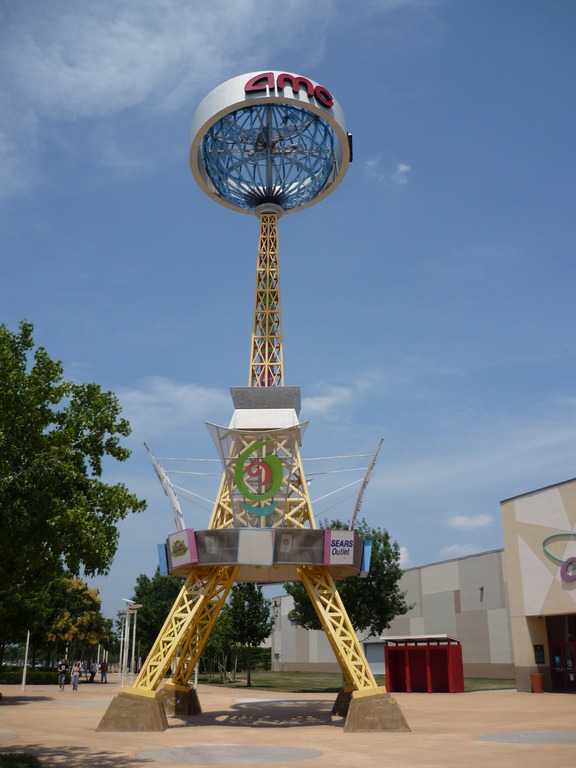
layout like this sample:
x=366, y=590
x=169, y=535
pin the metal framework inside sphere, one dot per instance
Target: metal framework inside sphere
x=269, y=153
x=280, y=147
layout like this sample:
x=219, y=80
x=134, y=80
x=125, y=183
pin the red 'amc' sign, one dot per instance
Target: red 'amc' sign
x=265, y=80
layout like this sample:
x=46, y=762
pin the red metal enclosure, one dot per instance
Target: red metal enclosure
x=423, y=665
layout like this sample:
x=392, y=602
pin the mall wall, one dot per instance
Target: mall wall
x=464, y=598
x=541, y=583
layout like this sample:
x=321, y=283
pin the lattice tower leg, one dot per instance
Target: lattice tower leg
x=189, y=623
x=222, y=514
x=328, y=604
x=266, y=364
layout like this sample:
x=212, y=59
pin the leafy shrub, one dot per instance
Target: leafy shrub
x=18, y=760
x=13, y=676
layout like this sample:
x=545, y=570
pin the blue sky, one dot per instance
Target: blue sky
x=428, y=301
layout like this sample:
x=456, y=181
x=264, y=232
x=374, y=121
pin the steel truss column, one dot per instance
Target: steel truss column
x=338, y=628
x=266, y=365
x=222, y=514
x=188, y=625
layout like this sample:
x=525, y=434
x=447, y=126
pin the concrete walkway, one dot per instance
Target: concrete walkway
x=260, y=728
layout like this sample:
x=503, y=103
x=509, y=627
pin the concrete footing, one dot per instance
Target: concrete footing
x=179, y=700
x=134, y=712
x=373, y=711
x=366, y=710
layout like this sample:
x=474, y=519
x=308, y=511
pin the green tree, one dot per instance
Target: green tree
x=251, y=620
x=156, y=595
x=64, y=615
x=74, y=620
x=371, y=601
x=20, y=612
x=56, y=514
x=219, y=644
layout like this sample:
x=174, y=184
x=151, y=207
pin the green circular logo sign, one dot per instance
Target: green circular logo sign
x=266, y=472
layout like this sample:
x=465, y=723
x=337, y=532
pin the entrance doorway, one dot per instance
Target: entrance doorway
x=562, y=647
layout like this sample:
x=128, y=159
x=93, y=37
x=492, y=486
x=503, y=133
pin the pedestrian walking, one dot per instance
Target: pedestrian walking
x=75, y=675
x=104, y=672
x=62, y=672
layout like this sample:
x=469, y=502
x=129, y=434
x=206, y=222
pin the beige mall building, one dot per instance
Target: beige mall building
x=513, y=610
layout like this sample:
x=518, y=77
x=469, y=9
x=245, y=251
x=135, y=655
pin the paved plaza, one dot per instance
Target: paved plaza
x=248, y=727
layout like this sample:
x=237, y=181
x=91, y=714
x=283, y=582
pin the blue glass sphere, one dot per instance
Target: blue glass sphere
x=269, y=153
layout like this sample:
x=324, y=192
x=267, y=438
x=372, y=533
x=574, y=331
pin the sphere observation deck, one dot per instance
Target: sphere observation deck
x=269, y=138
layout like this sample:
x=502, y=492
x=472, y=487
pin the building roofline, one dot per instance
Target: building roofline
x=539, y=490
x=453, y=559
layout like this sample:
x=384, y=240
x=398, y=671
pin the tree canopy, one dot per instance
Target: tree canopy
x=56, y=513
x=65, y=614
x=371, y=601
x=73, y=617
x=156, y=595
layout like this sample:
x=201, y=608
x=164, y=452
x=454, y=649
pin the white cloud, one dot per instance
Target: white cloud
x=63, y=62
x=80, y=60
x=400, y=175
x=470, y=522
x=405, y=561
x=375, y=168
x=163, y=407
x=332, y=399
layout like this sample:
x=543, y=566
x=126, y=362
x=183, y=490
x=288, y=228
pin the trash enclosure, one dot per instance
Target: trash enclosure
x=423, y=664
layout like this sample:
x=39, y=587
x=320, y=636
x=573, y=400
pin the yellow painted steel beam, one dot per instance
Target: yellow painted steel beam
x=197, y=636
x=298, y=505
x=330, y=609
x=194, y=612
x=266, y=361
x=222, y=516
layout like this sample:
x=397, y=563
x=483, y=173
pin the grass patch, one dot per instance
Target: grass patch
x=330, y=682
x=18, y=760
x=472, y=684
x=287, y=682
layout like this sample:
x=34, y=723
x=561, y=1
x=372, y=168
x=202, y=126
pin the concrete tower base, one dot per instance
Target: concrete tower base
x=373, y=711
x=180, y=700
x=134, y=712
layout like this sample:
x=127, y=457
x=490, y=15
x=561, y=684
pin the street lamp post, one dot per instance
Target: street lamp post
x=131, y=608
x=125, y=641
x=121, y=655
x=134, y=610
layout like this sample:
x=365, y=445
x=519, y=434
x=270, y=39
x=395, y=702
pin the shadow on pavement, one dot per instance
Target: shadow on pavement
x=24, y=698
x=266, y=714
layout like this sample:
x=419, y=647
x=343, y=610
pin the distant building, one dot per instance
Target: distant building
x=464, y=598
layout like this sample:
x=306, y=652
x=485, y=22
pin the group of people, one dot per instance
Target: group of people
x=76, y=671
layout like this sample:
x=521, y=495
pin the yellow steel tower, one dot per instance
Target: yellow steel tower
x=260, y=152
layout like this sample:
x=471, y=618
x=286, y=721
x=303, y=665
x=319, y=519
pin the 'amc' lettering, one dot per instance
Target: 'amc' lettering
x=265, y=81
